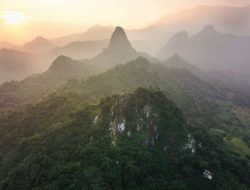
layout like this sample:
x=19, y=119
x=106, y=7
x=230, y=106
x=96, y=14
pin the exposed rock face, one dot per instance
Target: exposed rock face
x=139, y=116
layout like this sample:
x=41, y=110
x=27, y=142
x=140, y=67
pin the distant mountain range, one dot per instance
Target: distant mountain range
x=43, y=52
x=39, y=44
x=6, y=45
x=114, y=49
x=226, y=18
x=78, y=49
x=94, y=33
x=211, y=49
x=150, y=39
x=125, y=120
x=119, y=51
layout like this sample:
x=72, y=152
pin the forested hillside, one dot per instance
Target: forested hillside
x=128, y=141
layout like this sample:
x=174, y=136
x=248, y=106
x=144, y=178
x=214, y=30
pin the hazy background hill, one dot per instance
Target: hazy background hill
x=78, y=49
x=16, y=65
x=150, y=39
x=96, y=32
x=16, y=95
x=95, y=110
x=119, y=51
x=225, y=18
x=6, y=45
x=230, y=19
x=211, y=49
x=37, y=45
x=32, y=89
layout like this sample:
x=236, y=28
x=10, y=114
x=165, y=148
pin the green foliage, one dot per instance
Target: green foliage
x=61, y=144
x=74, y=138
x=16, y=95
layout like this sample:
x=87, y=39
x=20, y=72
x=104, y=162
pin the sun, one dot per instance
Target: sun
x=14, y=17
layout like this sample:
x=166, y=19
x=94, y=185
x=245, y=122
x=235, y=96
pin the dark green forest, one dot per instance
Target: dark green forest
x=137, y=140
x=134, y=124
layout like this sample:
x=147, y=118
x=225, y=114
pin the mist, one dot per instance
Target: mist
x=125, y=95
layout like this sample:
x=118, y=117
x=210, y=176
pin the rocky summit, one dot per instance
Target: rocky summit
x=119, y=40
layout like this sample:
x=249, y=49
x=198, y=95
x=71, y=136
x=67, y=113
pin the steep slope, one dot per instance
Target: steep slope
x=118, y=51
x=129, y=141
x=199, y=100
x=190, y=93
x=177, y=44
x=179, y=63
x=204, y=105
x=16, y=95
x=212, y=50
x=119, y=41
x=194, y=96
x=224, y=56
x=145, y=117
x=15, y=65
x=62, y=69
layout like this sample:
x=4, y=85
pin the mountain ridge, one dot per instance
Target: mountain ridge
x=38, y=44
x=211, y=49
x=130, y=135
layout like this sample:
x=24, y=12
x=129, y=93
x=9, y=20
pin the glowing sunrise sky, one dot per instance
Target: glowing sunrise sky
x=21, y=20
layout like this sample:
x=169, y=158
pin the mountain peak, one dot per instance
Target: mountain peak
x=176, y=59
x=119, y=39
x=179, y=38
x=61, y=63
x=209, y=28
x=208, y=32
x=177, y=62
x=37, y=44
x=182, y=34
x=41, y=38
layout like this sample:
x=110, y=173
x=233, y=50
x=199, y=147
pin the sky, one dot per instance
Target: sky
x=22, y=20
